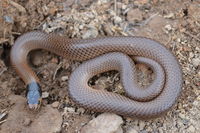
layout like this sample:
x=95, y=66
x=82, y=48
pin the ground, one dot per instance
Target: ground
x=176, y=24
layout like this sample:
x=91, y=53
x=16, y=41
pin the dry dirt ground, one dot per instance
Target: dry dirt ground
x=174, y=23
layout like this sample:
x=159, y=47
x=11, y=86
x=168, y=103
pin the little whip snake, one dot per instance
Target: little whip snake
x=104, y=54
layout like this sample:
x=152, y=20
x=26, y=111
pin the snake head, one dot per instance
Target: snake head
x=33, y=95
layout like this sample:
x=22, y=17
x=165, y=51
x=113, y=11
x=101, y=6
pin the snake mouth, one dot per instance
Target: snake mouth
x=33, y=95
x=35, y=106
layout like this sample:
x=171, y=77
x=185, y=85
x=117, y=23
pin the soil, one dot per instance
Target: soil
x=176, y=24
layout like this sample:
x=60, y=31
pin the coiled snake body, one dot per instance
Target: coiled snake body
x=104, y=54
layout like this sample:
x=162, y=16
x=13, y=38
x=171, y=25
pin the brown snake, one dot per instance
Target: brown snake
x=138, y=102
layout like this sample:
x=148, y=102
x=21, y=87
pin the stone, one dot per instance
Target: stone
x=170, y=16
x=46, y=120
x=70, y=109
x=182, y=116
x=168, y=27
x=45, y=94
x=196, y=62
x=141, y=125
x=117, y=20
x=55, y=104
x=64, y=78
x=80, y=110
x=191, y=129
x=92, y=32
x=104, y=123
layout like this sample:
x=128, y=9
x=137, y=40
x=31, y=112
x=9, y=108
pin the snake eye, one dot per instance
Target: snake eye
x=33, y=95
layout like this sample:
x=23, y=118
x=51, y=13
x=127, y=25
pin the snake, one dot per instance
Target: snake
x=100, y=55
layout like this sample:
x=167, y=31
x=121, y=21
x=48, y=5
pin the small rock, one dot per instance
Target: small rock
x=191, y=129
x=195, y=103
x=8, y=19
x=51, y=119
x=196, y=62
x=92, y=32
x=132, y=130
x=3, y=115
x=107, y=29
x=80, y=110
x=134, y=15
x=45, y=94
x=70, y=109
x=169, y=16
x=104, y=123
x=55, y=104
x=47, y=120
x=141, y=125
x=64, y=78
x=117, y=20
x=191, y=54
x=182, y=116
x=168, y=27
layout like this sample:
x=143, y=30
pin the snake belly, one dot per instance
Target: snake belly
x=104, y=54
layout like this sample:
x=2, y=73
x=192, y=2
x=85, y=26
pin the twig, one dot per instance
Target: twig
x=148, y=19
x=2, y=121
x=115, y=6
x=59, y=66
x=3, y=40
x=18, y=6
x=3, y=71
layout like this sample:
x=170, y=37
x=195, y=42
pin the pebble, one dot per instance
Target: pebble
x=117, y=20
x=70, y=109
x=55, y=104
x=182, y=116
x=195, y=103
x=64, y=78
x=134, y=15
x=8, y=19
x=80, y=110
x=196, y=62
x=104, y=123
x=3, y=115
x=191, y=129
x=92, y=32
x=47, y=120
x=141, y=125
x=45, y=94
x=168, y=27
x=170, y=16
